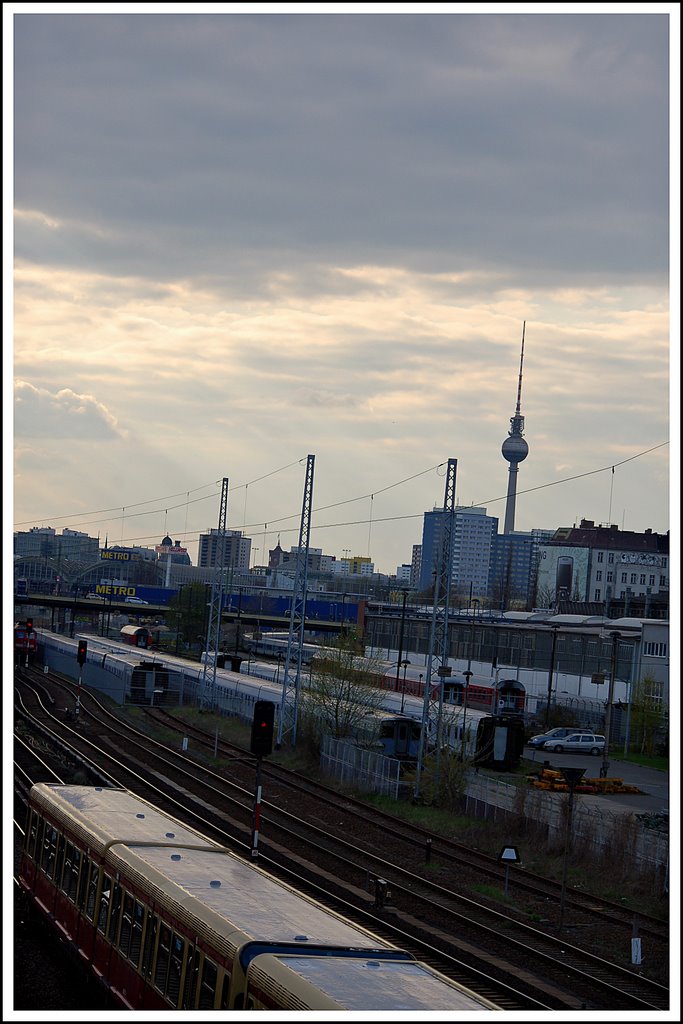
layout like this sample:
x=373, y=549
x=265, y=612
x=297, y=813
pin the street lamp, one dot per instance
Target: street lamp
x=405, y=664
x=604, y=768
x=179, y=618
x=550, y=677
x=237, y=621
x=475, y=604
x=400, y=651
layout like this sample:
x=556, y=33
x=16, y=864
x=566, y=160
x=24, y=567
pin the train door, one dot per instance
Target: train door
x=402, y=739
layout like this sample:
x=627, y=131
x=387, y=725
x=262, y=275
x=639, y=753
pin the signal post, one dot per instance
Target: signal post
x=261, y=746
x=81, y=656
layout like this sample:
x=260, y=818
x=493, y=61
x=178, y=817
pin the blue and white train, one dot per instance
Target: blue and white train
x=150, y=677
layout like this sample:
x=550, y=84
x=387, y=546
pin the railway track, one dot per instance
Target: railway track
x=338, y=859
x=430, y=846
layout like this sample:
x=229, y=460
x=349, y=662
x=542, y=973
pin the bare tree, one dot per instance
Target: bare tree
x=648, y=715
x=344, y=688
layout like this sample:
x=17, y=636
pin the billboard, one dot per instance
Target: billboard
x=562, y=574
x=107, y=555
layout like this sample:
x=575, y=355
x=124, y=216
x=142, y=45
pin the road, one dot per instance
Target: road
x=653, y=783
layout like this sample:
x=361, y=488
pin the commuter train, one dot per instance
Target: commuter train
x=505, y=697
x=165, y=918
x=393, y=729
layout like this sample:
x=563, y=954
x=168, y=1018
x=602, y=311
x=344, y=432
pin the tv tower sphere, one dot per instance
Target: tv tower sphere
x=514, y=448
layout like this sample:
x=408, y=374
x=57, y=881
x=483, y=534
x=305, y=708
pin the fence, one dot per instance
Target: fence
x=363, y=769
x=593, y=826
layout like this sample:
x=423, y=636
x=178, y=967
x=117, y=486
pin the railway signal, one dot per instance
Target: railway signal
x=262, y=728
x=81, y=656
x=261, y=745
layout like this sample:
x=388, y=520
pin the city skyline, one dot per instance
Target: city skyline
x=243, y=239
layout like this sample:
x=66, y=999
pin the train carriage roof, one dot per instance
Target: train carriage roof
x=201, y=882
x=373, y=984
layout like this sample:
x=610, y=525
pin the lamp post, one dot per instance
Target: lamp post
x=400, y=650
x=550, y=677
x=405, y=664
x=475, y=604
x=630, y=699
x=604, y=768
x=468, y=675
x=179, y=618
x=237, y=621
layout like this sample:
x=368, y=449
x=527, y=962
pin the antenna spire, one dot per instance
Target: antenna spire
x=521, y=363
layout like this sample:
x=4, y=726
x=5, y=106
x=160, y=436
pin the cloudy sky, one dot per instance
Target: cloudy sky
x=243, y=238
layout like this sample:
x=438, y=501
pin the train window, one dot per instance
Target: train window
x=42, y=825
x=105, y=898
x=126, y=924
x=91, y=901
x=69, y=879
x=175, y=969
x=207, y=988
x=191, y=975
x=116, y=900
x=32, y=835
x=59, y=866
x=163, y=957
x=83, y=882
x=47, y=861
x=225, y=994
x=136, y=936
x=150, y=940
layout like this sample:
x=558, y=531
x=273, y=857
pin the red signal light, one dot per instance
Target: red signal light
x=82, y=652
x=262, y=728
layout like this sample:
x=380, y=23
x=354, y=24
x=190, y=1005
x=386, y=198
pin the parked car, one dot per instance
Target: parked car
x=552, y=734
x=135, y=600
x=94, y=597
x=577, y=743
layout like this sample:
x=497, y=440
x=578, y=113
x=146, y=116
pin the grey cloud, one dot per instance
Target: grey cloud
x=326, y=398
x=62, y=414
x=245, y=140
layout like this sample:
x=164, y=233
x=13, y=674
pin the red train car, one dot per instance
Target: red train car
x=25, y=641
x=507, y=696
x=166, y=919
x=138, y=636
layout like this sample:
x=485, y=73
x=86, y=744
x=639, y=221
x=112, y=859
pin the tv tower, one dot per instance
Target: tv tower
x=515, y=450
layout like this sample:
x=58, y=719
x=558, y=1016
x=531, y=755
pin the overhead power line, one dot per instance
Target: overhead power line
x=258, y=527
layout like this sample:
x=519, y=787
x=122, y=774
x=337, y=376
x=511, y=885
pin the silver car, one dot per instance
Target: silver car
x=577, y=743
x=541, y=739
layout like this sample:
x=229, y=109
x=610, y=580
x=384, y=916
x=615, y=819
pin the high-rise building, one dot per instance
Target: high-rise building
x=510, y=572
x=473, y=537
x=236, y=550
